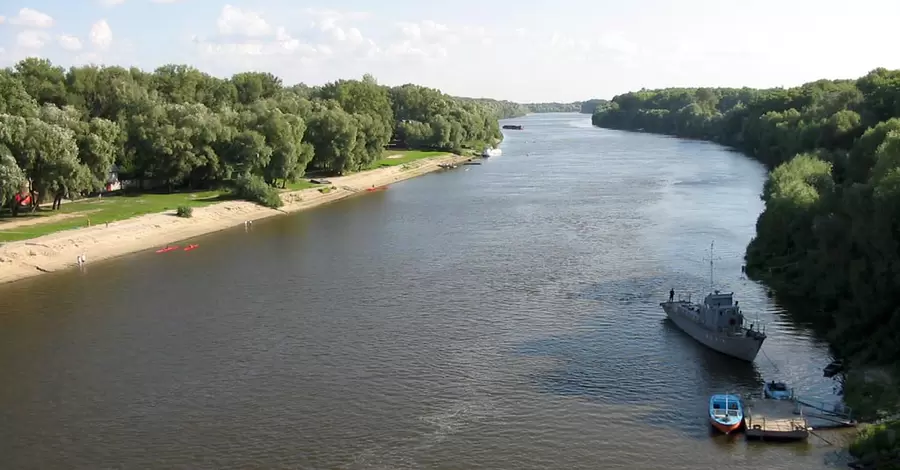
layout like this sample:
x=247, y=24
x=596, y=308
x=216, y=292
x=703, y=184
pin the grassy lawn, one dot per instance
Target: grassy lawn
x=298, y=185
x=100, y=211
x=114, y=208
x=400, y=157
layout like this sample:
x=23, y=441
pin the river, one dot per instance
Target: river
x=495, y=316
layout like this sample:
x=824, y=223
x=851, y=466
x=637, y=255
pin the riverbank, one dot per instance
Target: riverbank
x=58, y=251
x=870, y=385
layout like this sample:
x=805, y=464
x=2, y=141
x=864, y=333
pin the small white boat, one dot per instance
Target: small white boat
x=491, y=152
x=777, y=391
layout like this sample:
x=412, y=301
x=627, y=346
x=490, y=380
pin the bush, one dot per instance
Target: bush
x=185, y=211
x=253, y=188
x=877, y=443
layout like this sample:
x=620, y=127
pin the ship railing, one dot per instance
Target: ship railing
x=838, y=410
x=797, y=424
x=755, y=325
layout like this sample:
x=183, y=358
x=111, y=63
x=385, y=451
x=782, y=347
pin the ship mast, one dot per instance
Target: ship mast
x=711, y=266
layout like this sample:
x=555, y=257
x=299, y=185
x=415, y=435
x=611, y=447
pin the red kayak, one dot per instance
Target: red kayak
x=379, y=188
x=167, y=249
x=191, y=247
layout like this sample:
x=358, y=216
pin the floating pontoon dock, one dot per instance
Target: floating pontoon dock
x=773, y=420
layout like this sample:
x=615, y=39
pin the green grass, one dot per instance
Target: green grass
x=115, y=208
x=405, y=156
x=104, y=210
x=298, y=185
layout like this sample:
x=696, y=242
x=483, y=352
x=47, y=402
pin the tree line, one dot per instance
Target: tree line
x=503, y=109
x=61, y=130
x=829, y=238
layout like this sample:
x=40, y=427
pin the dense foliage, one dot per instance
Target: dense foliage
x=589, y=106
x=573, y=107
x=61, y=130
x=502, y=109
x=829, y=238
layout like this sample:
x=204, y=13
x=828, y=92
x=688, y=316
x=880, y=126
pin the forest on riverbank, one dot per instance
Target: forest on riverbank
x=828, y=240
x=503, y=109
x=61, y=130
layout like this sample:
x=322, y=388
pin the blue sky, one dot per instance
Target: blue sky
x=524, y=50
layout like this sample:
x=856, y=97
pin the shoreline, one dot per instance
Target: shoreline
x=59, y=251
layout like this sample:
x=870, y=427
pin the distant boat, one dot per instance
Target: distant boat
x=833, y=369
x=725, y=412
x=515, y=127
x=376, y=188
x=191, y=247
x=491, y=152
x=167, y=249
x=777, y=391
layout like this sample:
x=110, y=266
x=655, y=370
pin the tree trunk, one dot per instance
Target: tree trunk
x=35, y=204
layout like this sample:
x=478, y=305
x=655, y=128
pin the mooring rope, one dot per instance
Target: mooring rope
x=770, y=360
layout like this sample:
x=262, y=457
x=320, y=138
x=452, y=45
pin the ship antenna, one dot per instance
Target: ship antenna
x=711, y=265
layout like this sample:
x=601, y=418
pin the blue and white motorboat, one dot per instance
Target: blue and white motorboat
x=777, y=391
x=726, y=413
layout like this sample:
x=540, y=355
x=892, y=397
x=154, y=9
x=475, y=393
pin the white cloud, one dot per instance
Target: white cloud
x=235, y=21
x=321, y=14
x=247, y=34
x=101, y=34
x=89, y=58
x=112, y=3
x=32, y=39
x=2, y=19
x=616, y=41
x=32, y=19
x=69, y=43
x=334, y=44
x=601, y=55
x=318, y=45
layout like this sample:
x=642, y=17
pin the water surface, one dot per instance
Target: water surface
x=496, y=316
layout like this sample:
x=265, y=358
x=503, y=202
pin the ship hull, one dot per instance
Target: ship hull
x=724, y=428
x=740, y=347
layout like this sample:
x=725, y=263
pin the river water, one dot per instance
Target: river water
x=502, y=316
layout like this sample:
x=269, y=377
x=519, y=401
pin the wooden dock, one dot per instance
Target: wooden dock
x=773, y=420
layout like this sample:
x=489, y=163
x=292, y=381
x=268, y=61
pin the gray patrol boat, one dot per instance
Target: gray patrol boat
x=717, y=323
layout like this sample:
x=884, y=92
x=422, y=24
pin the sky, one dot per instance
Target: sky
x=524, y=51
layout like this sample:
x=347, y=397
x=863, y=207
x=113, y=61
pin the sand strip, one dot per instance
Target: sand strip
x=49, y=253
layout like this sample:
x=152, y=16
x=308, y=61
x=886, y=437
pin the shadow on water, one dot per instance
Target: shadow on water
x=744, y=376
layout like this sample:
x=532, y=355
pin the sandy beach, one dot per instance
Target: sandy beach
x=49, y=253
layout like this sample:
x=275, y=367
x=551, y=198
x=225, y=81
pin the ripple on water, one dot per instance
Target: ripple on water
x=502, y=317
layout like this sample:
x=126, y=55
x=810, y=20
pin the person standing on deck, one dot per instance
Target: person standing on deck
x=671, y=295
